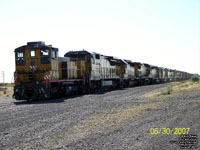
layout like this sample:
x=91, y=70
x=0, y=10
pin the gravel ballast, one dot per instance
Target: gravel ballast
x=119, y=119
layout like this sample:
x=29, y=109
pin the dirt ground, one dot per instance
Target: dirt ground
x=119, y=119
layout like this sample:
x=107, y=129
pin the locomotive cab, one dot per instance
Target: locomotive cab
x=36, y=64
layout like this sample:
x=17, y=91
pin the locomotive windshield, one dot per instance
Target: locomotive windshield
x=20, y=60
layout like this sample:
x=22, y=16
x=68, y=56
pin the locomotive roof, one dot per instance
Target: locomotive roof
x=166, y=69
x=79, y=52
x=146, y=65
x=34, y=45
x=114, y=60
x=154, y=67
x=85, y=52
x=133, y=63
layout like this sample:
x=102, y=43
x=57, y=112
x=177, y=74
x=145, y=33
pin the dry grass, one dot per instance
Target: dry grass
x=109, y=121
x=175, y=88
x=6, y=91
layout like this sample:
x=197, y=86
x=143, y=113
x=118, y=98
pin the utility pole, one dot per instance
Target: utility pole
x=3, y=77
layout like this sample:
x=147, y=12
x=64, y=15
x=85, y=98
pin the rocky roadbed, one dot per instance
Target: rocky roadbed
x=119, y=119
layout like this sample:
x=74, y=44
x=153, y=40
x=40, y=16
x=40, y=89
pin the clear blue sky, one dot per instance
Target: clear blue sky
x=165, y=33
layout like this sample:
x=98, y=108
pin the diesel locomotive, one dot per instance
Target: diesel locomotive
x=42, y=74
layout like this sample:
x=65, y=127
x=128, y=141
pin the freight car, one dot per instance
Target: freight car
x=42, y=74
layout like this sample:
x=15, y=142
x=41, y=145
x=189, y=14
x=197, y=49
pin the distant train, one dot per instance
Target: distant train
x=41, y=74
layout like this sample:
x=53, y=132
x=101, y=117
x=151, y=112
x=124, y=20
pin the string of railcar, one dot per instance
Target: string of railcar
x=42, y=74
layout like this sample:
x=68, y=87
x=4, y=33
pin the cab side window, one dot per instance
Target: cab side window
x=88, y=59
x=97, y=56
x=53, y=54
x=44, y=52
x=44, y=56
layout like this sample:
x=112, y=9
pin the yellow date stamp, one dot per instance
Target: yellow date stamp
x=168, y=131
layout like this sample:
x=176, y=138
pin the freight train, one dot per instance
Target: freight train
x=42, y=74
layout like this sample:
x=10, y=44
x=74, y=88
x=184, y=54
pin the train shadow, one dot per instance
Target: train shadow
x=63, y=99
x=48, y=101
x=106, y=91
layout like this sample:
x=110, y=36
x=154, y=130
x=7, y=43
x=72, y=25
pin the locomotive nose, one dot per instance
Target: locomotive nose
x=29, y=93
